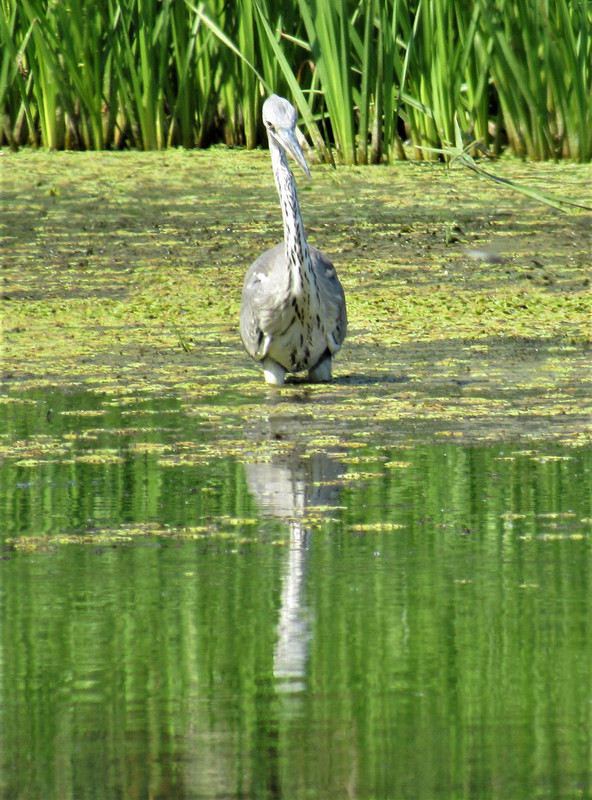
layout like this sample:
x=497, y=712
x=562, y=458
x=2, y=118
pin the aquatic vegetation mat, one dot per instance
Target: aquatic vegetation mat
x=469, y=307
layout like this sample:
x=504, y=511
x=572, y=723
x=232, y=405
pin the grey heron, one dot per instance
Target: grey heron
x=293, y=316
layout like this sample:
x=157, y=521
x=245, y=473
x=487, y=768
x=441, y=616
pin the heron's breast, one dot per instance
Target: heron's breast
x=301, y=343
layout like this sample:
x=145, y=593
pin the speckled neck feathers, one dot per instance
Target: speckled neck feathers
x=301, y=274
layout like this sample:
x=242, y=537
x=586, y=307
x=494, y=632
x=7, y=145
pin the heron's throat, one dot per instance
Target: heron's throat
x=301, y=274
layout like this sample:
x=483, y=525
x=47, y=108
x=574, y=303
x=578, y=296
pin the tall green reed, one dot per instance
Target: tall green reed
x=541, y=68
x=17, y=122
x=373, y=79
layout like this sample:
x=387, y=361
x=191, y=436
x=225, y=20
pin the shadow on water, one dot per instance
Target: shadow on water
x=491, y=389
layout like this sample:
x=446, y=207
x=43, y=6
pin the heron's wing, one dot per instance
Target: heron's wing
x=266, y=312
x=263, y=295
x=332, y=298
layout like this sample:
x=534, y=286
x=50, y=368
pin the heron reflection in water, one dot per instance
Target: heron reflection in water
x=287, y=487
x=293, y=315
x=292, y=482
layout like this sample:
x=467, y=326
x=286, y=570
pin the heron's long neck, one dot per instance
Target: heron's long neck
x=297, y=252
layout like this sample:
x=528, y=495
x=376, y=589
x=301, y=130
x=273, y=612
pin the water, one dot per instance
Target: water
x=192, y=611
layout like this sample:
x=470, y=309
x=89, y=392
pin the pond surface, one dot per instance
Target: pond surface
x=181, y=619
x=379, y=588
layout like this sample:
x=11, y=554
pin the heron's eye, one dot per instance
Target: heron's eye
x=269, y=125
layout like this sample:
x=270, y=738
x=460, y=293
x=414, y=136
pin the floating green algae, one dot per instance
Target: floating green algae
x=126, y=282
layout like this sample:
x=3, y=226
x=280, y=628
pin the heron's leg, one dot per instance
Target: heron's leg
x=274, y=373
x=322, y=371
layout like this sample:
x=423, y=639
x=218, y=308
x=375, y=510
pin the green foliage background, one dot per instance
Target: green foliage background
x=369, y=76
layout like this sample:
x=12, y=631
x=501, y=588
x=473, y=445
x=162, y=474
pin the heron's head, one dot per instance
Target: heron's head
x=280, y=117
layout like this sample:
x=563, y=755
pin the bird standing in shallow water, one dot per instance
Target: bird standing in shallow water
x=293, y=316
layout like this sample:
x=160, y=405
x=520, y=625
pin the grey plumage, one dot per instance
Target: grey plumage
x=293, y=314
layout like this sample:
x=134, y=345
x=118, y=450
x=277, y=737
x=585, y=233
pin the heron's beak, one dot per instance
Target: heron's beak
x=288, y=140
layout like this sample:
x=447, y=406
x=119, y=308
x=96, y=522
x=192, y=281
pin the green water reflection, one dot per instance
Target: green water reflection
x=373, y=622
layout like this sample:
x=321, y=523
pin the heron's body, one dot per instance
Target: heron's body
x=293, y=315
